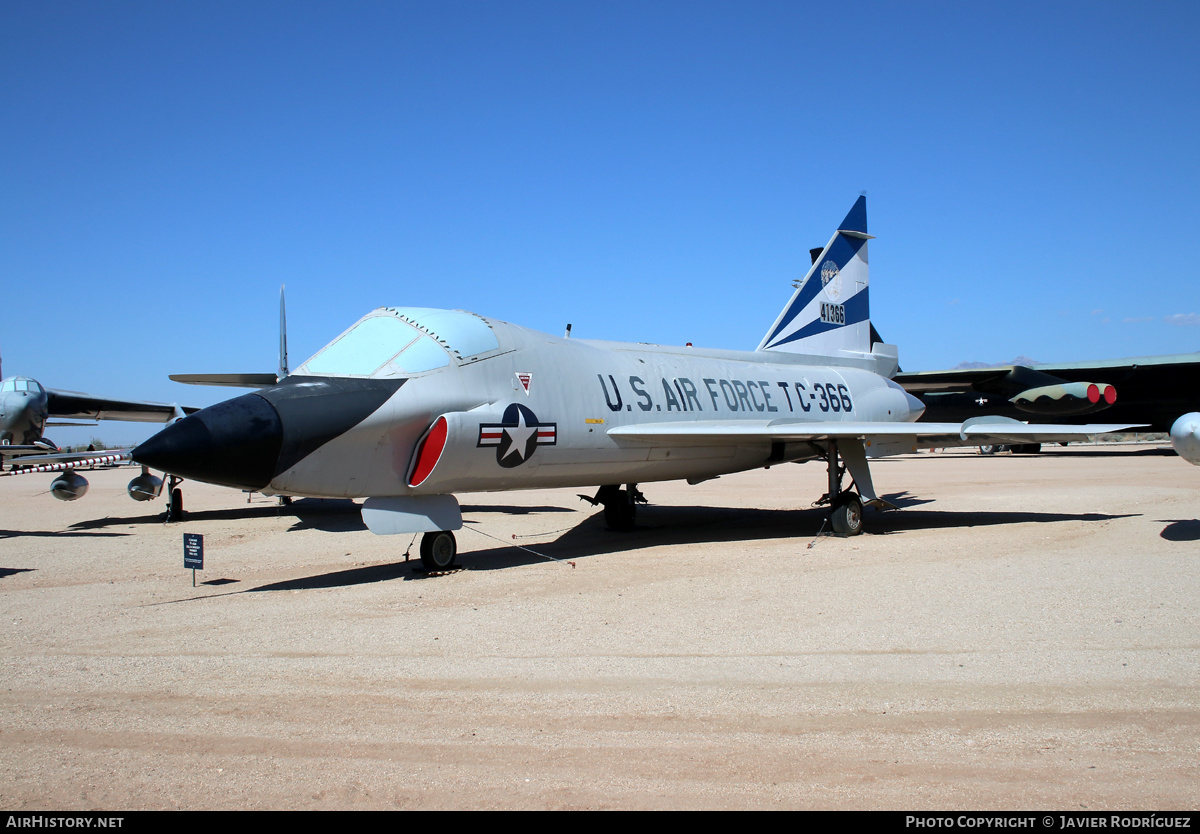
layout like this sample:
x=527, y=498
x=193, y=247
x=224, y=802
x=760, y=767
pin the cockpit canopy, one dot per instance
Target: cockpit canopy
x=400, y=341
x=20, y=383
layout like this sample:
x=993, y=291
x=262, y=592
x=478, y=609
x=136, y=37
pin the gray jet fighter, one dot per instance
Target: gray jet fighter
x=412, y=405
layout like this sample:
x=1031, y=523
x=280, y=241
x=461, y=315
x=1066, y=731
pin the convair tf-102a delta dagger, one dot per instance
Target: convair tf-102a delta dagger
x=411, y=405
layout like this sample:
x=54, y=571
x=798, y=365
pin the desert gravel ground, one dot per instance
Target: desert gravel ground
x=1022, y=634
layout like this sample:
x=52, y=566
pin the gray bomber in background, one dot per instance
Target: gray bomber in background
x=27, y=409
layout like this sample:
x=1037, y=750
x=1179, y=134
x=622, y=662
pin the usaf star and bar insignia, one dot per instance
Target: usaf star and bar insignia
x=517, y=435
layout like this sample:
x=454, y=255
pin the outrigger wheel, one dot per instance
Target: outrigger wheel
x=847, y=515
x=438, y=550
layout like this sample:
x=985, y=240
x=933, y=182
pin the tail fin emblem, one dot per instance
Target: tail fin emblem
x=829, y=280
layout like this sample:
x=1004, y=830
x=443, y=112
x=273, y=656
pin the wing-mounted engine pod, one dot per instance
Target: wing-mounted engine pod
x=69, y=486
x=1185, y=437
x=145, y=487
x=1067, y=399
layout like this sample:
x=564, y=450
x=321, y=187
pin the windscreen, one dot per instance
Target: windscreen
x=465, y=333
x=374, y=342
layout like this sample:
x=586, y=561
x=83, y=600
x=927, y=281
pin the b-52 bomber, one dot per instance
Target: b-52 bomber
x=412, y=405
x=27, y=408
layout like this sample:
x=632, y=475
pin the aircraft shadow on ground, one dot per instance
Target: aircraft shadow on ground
x=656, y=526
x=330, y=515
x=708, y=525
x=1098, y=452
x=513, y=510
x=904, y=500
x=1181, y=530
x=75, y=530
x=673, y=526
x=340, y=579
x=338, y=515
x=342, y=515
x=204, y=515
x=336, y=579
x=668, y=526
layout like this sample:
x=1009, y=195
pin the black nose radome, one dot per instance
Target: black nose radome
x=235, y=443
x=245, y=442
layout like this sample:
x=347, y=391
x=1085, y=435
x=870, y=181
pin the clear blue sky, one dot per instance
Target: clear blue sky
x=649, y=171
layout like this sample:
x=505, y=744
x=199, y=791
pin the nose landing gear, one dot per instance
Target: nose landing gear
x=438, y=550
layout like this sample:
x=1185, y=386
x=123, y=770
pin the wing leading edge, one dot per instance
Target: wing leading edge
x=925, y=435
x=75, y=406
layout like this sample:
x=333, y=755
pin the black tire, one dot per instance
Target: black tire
x=988, y=450
x=175, y=511
x=619, y=514
x=1028, y=449
x=847, y=515
x=438, y=550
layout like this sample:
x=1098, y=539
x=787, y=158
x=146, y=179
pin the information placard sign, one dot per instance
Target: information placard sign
x=193, y=551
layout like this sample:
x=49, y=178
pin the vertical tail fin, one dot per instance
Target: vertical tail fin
x=829, y=314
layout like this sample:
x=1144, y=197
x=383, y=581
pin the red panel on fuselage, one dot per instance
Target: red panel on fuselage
x=429, y=452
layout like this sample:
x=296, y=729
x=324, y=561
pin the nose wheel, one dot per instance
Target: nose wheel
x=438, y=550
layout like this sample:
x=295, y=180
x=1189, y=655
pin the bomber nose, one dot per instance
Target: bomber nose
x=235, y=443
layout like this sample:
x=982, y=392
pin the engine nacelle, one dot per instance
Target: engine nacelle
x=1067, y=399
x=1185, y=437
x=69, y=486
x=145, y=487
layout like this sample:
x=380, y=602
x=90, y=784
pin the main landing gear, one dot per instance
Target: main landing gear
x=846, y=507
x=438, y=550
x=620, y=505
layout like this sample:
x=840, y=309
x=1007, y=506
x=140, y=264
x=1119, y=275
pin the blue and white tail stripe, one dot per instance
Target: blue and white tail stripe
x=829, y=314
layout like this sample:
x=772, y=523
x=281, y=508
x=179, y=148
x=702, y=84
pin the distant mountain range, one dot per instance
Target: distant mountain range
x=1020, y=360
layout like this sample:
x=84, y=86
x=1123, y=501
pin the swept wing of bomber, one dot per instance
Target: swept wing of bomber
x=411, y=406
x=1154, y=390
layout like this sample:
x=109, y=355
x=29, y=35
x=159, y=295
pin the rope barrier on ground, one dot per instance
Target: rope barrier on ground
x=514, y=544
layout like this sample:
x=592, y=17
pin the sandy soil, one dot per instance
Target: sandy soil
x=1022, y=634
